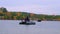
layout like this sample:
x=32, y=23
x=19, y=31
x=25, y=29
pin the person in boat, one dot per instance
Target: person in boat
x=27, y=19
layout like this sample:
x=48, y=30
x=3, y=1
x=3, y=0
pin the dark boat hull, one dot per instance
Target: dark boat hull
x=39, y=20
x=24, y=23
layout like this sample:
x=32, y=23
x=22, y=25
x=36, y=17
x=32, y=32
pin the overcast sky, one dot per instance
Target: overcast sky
x=34, y=6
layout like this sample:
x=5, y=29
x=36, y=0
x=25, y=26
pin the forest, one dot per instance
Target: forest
x=8, y=15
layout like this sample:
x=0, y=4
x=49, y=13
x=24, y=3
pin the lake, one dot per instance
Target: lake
x=44, y=27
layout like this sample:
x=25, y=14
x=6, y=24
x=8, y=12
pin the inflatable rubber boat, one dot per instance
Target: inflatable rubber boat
x=27, y=23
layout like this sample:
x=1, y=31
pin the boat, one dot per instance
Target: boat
x=39, y=20
x=27, y=23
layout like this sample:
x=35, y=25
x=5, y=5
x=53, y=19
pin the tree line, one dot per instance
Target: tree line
x=5, y=15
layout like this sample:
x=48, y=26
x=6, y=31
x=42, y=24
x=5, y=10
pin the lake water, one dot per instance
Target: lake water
x=44, y=27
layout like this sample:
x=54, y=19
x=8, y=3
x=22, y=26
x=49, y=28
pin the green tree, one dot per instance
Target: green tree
x=6, y=17
x=3, y=9
x=13, y=14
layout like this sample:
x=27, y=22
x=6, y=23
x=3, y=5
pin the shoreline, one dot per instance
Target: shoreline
x=33, y=20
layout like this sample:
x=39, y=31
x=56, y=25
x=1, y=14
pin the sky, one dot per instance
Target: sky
x=50, y=7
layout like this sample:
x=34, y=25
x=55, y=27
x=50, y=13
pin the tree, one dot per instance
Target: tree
x=3, y=9
x=13, y=13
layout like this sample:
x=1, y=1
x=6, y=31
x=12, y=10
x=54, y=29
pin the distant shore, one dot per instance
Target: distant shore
x=35, y=20
x=22, y=15
x=6, y=15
